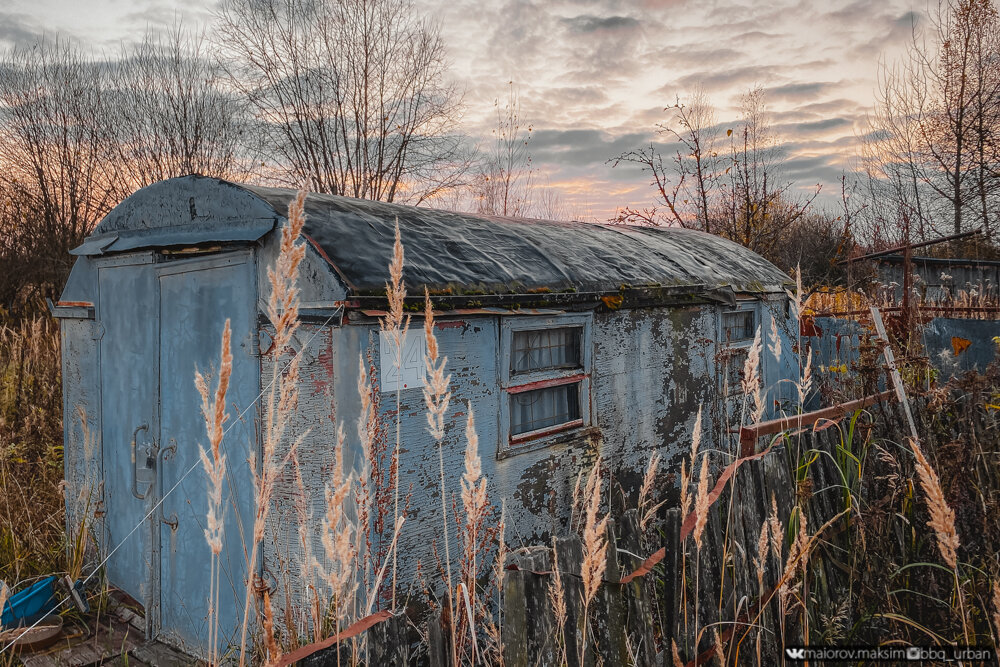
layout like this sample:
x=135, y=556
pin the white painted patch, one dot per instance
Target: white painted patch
x=411, y=374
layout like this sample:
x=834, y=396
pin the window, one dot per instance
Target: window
x=737, y=328
x=545, y=373
x=545, y=348
x=738, y=325
x=542, y=408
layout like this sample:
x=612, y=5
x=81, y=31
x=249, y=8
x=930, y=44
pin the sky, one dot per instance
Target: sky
x=594, y=76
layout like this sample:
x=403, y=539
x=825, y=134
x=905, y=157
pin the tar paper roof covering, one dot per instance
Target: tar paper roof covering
x=462, y=252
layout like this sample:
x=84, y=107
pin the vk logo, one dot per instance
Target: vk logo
x=796, y=653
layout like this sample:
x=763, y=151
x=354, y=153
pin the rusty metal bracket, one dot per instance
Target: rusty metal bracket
x=749, y=434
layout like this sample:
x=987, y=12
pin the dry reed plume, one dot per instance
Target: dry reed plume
x=685, y=502
x=213, y=410
x=942, y=520
x=474, y=502
x=646, y=491
x=557, y=600
x=283, y=312
x=437, y=396
x=395, y=326
x=804, y=385
x=774, y=341
x=595, y=546
x=701, y=502
x=701, y=506
x=339, y=538
x=376, y=488
x=751, y=380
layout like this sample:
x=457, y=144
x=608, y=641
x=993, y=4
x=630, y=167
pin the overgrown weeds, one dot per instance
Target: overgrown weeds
x=32, y=524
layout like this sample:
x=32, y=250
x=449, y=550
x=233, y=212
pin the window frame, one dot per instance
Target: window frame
x=728, y=391
x=511, y=383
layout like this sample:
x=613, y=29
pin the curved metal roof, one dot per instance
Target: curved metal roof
x=446, y=252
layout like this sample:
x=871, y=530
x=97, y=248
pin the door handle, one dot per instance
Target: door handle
x=150, y=456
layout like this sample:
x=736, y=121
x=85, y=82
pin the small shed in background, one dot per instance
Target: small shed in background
x=568, y=340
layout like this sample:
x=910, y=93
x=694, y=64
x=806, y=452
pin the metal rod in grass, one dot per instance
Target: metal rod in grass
x=395, y=326
x=437, y=396
x=283, y=312
x=213, y=410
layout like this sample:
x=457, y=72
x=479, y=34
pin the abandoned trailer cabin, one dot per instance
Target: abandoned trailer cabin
x=567, y=340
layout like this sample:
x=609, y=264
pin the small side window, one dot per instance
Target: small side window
x=544, y=408
x=738, y=325
x=545, y=372
x=737, y=328
x=545, y=348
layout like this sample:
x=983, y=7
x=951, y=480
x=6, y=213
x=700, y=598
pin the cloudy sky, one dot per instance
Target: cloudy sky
x=595, y=75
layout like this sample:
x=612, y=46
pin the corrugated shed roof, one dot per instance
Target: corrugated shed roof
x=456, y=252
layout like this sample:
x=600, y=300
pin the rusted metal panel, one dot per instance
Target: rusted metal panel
x=750, y=434
x=977, y=355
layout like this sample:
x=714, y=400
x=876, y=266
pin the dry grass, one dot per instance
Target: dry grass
x=558, y=602
x=474, y=503
x=646, y=514
x=213, y=409
x=751, y=381
x=32, y=528
x=340, y=542
x=996, y=609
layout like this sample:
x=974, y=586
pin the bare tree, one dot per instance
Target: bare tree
x=351, y=94
x=685, y=183
x=170, y=114
x=754, y=206
x=549, y=203
x=933, y=142
x=55, y=151
x=504, y=184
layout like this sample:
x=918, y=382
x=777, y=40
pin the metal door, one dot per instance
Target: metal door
x=129, y=314
x=196, y=298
